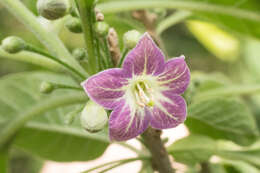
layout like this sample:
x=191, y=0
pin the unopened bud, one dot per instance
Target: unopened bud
x=74, y=25
x=101, y=28
x=13, y=44
x=99, y=16
x=131, y=38
x=79, y=53
x=93, y=117
x=53, y=9
x=46, y=87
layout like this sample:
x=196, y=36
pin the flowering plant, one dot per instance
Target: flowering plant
x=100, y=73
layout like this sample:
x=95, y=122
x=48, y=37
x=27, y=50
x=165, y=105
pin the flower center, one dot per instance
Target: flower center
x=143, y=94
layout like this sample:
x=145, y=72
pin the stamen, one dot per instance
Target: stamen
x=140, y=103
x=144, y=95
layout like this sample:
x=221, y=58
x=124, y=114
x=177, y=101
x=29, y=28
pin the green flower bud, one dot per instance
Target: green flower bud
x=93, y=117
x=131, y=38
x=46, y=87
x=13, y=44
x=79, y=53
x=101, y=28
x=53, y=9
x=74, y=25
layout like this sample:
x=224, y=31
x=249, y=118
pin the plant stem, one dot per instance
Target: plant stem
x=160, y=157
x=125, y=51
x=123, y=6
x=48, y=39
x=32, y=48
x=61, y=86
x=120, y=162
x=4, y=161
x=15, y=124
x=33, y=58
x=86, y=12
x=107, y=53
x=172, y=20
x=204, y=167
x=130, y=147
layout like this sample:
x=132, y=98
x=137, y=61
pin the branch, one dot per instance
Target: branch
x=160, y=158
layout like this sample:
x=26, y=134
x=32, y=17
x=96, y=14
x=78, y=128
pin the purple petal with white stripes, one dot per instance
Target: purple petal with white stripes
x=125, y=123
x=145, y=58
x=106, y=88
x=168, y=113
x=176, y=75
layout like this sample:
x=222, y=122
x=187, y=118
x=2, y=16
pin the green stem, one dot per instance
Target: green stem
x=114, y=166
x=229, y=91
x=108, y=54
x=104, y=60
x=48, y=39
x=15, y=124
x=4, y=161
x=85, y=8
x=116, y=162
x=33, y=58
x=130, y=147
x=123, y=6
x=32, y=48
x=172, y=20
x=61, y=86
x=100, y=59
x=125, y=51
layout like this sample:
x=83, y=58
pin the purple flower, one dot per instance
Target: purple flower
x=145, y=92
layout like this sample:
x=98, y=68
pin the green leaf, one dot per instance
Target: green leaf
x=46, y=134
x=222, y=118
x=250, y=155
x=241, y=166
x=197, y=148
x=192, y=149
x=217, y=168
x=239, y=16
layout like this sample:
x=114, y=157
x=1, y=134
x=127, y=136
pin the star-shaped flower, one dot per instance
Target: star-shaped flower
x=144, y=92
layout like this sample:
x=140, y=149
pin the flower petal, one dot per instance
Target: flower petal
x=126, y=123
x=106, y=87
x=176, y=75
x=169, y=112
x=145, y=58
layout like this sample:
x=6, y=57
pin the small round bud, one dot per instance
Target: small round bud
x=101, y=28
x=13, y=44
x=53, y=9
x=131, y=38
x=46, y=87
x=93, y=117
x=100, y=17
x=79, y=53
x=74, y=25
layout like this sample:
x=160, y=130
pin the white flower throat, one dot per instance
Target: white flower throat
x=143, y=94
